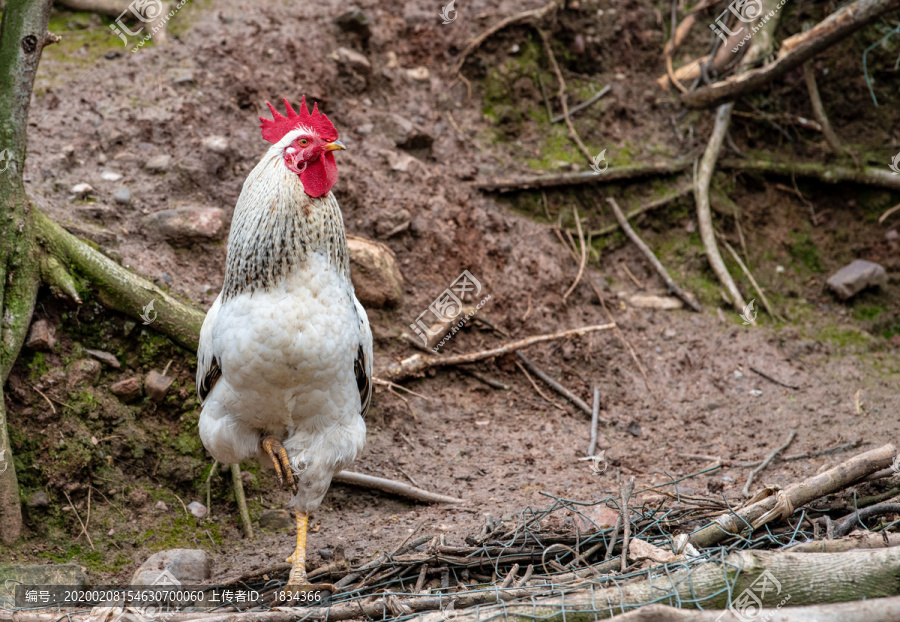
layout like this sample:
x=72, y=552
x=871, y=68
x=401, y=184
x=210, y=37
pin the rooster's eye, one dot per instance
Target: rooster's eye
x=303, y=142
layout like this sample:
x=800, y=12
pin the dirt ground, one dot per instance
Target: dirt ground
x=502, y=451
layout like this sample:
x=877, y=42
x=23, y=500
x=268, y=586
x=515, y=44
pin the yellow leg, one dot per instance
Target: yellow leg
x=279, y=456
x=298, y=558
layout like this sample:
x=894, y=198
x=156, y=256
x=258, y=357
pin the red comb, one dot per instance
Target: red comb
x=275, y=129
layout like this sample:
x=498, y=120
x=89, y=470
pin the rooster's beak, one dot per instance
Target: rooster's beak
x=335, y=146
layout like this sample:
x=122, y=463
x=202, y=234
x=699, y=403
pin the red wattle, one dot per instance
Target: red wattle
x=320, y=175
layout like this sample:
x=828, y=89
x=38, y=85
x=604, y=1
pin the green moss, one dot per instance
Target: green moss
x=804, y=250
x=867, y=312
x=37, y=366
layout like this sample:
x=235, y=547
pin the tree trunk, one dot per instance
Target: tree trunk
x=23, y=34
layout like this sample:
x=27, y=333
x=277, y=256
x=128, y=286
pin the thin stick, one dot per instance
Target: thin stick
x=774, y=380
x=393, y=487
x=809, y=74
x=583, y=260
x=561, y=94
x=882, y=218
x=769, y=309
x=651, y=257
x=595, y=421
x=553, y=384
x=83, y=527
x=41, y=393
x=418, y=363
x=238, y=485
x=767, y=461
x=575, y=109
x=208, y=494
x=704, y=216
x=491, y=382
x=533, y=15
x=537, y=388
x=626, y=521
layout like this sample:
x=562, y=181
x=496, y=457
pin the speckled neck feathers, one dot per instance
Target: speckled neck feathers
x=275, y=228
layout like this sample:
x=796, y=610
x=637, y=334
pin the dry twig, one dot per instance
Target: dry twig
x=583, y=260
x=537, y=371
x=768, y=461
x=394, y=487
x=595, y=420
x=615, y=173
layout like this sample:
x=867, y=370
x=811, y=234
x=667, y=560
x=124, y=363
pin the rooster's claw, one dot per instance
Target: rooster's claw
x=279, y=457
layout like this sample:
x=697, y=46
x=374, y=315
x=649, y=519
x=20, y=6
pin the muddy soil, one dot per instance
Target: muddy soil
x=98, y=106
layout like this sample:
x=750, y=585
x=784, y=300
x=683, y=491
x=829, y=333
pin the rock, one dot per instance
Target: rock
x=197, y=509
x=326, y=553
x=184, y=565
x=122, y=196
x=376, y=276
x=157, y=385
x=351, y=60
x=649, y=301
x=40, y=337
x=855, y=277
x=891, y=235
x=81, y=190
x=127, y=390
x=217, y=144
x=356, y=21
x=183, y=225
x=105, y=357
x=110, y=176
x=161, y=506
x=183, y=78
x=38, y=500
x=404, y=133
x=275, y=520
x=419, y=73
x=158, y=164
x=633, y=428
x=83, y=372
x=44, y=574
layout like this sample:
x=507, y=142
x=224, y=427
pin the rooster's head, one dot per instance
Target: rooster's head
x=307, y=140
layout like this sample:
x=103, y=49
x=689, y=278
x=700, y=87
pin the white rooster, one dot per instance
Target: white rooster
x=284, y=365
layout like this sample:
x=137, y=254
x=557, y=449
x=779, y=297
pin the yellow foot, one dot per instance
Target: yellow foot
x=278, y=454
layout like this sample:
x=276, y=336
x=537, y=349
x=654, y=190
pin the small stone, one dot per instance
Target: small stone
x=111, y=532
x=352, y=60
x=183, y=225
x=127, y=390
x=354, y=20
x=375, y=274
x=633, y=428
x=40, y=337
x=326, y=553
x=891, y=235
x=183, y=78
x=110, y=176
x=158, y=164
x=419, y=73
x=669, y=333
x=184, y=565
x=161, y=506
x=81, y=190
x=275, y=520
x=157, y=385
x=105, y=357
x=122, y=196
x=855, y=277
x=365, y=128
x=38, y=500
x=83, y=372
x=197, y=509
x=217, y=144
x=404, y=133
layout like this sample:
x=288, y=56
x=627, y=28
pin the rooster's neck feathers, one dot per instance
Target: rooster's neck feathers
x=276, y=226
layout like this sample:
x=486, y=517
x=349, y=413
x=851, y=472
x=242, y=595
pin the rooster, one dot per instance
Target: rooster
x=284, y=366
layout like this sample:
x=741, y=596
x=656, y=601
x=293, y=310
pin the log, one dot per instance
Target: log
x=868, y=175
x=877, y=610
x=614, y=173
x=794, y=52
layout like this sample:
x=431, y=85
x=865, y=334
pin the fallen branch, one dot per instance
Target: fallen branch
x=651, y=257
x=830, y=174
x=553, y=384
x=583, y=105
x=848, y=523
x=768, y=461
x=809, y=75
x=680, y=191
x=704, y=216
x=584, y=255
x=759, y=292
x=393, y=487
x=794, y=51
x=617, y=173
x=875, y=610
x=416, y=364
x=859, y=540
x=795, y=495
x=773, y=380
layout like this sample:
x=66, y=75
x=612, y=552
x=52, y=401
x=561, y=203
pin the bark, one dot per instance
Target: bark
x=794, y=52
x=877, y=610
x=23, y=34
x=867, y=175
